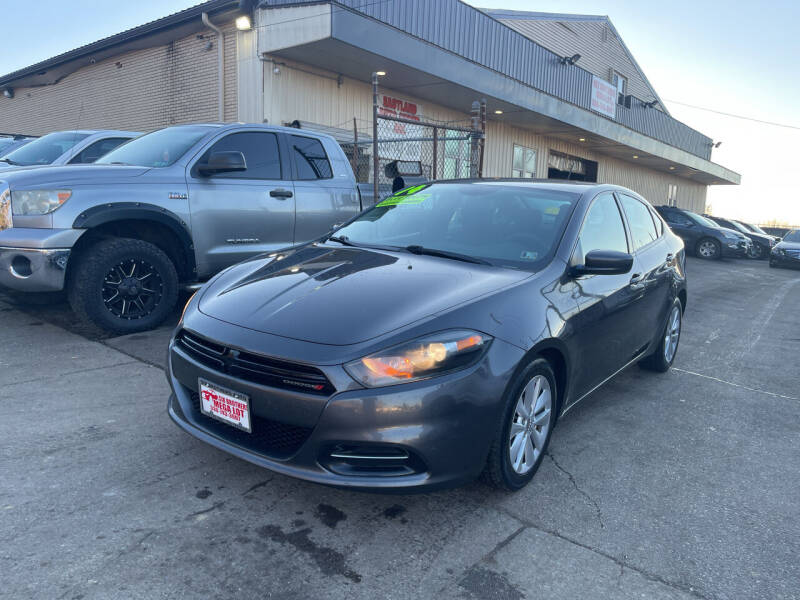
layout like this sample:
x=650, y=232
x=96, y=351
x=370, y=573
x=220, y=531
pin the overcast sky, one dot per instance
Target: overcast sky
x=739, y=59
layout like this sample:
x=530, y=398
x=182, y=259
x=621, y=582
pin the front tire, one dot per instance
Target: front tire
x=123, y=285
x=524, y=431
x=708, y=249
x=661, y=360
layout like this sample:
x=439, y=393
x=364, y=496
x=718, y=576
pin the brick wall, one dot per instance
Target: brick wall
x=139, y=90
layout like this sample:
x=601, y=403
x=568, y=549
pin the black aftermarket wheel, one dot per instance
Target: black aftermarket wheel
x=123, y=285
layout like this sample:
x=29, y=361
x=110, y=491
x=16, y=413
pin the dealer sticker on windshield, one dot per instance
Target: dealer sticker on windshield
x=225, y=405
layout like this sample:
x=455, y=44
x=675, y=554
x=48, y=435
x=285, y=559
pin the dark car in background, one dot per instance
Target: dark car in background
x=786, y=253
x=434, y=337
x=703, y=237
x=762, y=242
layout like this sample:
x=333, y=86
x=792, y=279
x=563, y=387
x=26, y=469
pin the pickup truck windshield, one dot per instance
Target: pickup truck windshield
x=46, y=149
x=160, y=148
x=516, y=226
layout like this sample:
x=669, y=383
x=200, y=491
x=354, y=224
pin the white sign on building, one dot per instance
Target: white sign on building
x=604, y=97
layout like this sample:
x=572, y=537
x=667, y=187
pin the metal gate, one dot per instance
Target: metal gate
x=445, y=150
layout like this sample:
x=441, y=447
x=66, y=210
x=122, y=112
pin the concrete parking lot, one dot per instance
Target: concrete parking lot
x=682, y=485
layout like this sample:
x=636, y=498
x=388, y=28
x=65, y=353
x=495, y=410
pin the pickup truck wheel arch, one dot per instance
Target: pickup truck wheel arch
x=103, y=216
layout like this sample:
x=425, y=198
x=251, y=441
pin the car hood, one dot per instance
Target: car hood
x=738, y=234
x=788, y=245
x=67, y=175
x=344, y=296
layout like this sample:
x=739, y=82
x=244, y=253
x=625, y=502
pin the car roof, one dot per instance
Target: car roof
x=562, y=185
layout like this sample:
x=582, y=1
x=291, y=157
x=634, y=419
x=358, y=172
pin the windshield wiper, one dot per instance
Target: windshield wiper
x=9, y=161
x=342, y=239
x=446, y=254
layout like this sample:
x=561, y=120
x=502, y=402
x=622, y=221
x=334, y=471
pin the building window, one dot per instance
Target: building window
x=672, y=195
x=621, y=83
x=524, y=164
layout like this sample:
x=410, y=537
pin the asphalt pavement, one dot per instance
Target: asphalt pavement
x=681, y=485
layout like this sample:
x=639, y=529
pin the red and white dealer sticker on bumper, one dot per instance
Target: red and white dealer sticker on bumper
x=225, y=405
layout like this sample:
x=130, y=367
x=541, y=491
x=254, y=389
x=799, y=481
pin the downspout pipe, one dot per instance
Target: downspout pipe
x=220, y=65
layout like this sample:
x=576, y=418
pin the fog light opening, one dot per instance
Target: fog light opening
x=375, y=460
x=21, y=267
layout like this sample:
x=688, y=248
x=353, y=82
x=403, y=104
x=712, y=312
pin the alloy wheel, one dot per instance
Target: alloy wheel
x=673, y=334
x=132, y=289
x=530, y=424
x=707, y=249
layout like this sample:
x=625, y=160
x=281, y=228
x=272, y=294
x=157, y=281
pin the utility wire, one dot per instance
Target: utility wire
x=719, y=112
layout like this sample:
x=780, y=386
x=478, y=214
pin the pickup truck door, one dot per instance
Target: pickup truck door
x=239, y=214
x=325, y=190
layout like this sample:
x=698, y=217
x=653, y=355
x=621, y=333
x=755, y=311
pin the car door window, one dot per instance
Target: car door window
x=260, y=150
x=602, y=228
x=97, y=149
x=674, y=218
x=643, y=230
x=309, y=158
x=657, y=220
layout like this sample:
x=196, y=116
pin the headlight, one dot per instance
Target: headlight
x=430, y=356
x=38, y=202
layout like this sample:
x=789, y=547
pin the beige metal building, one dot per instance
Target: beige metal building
x=312, y=62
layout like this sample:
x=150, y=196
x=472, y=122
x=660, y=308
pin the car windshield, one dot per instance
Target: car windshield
x=701, y=220
x=792, y=236
x=46, y=149
x=508, y=225
x=5, y=143
x=755, y=228
x=740, y=227
x=157, y=149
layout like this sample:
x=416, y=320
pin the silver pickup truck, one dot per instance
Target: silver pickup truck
x=168, y=209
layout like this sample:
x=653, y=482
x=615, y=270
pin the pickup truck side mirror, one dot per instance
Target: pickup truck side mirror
x=222, y=162
x=604, y=262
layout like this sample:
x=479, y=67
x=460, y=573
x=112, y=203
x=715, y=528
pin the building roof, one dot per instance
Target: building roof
x=543, y=16
x=150, y=34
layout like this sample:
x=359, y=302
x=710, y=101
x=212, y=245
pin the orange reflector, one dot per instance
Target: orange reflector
x=63, y=197
x=473, y=340
x=380, y=367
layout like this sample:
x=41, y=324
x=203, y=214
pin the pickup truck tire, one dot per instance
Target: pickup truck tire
x=123, y=285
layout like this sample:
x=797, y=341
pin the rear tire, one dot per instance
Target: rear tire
x=759, y=252
x=123, y=285
x=708, y=249
x=664, y=355
x=532, y=391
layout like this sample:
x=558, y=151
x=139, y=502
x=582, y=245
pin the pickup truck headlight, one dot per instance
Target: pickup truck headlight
x=430, y=356
x=38, y=202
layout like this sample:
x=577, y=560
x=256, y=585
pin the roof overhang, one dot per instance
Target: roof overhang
x=351, y=44
x=149, y=35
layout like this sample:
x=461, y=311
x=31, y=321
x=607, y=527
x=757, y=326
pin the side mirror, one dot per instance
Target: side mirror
x=222, y=162
x=605, y=262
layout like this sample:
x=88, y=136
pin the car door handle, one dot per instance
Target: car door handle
x=637, y=282
x=281, y=193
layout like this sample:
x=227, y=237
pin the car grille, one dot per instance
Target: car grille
x=268, y=437
x=255, y=368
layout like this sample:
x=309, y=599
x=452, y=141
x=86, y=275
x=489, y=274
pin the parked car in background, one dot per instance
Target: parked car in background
x=762, y=243
x=10, y=143
x=171, y=207
x=703, y=237
x=786, y=253
x=436, y=336
x=65, y=148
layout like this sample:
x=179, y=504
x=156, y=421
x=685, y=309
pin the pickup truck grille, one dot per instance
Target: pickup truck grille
x=6, y=221
x=255, y=368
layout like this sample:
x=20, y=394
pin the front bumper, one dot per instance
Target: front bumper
x=735, y=248
x=444, y=425
x=33, y=269
x=785, y=259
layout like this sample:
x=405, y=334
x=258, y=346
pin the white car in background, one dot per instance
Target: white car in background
x=65, y=147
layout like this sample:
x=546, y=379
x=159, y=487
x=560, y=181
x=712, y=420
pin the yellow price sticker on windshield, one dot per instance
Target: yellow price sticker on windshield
x=404, y=200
